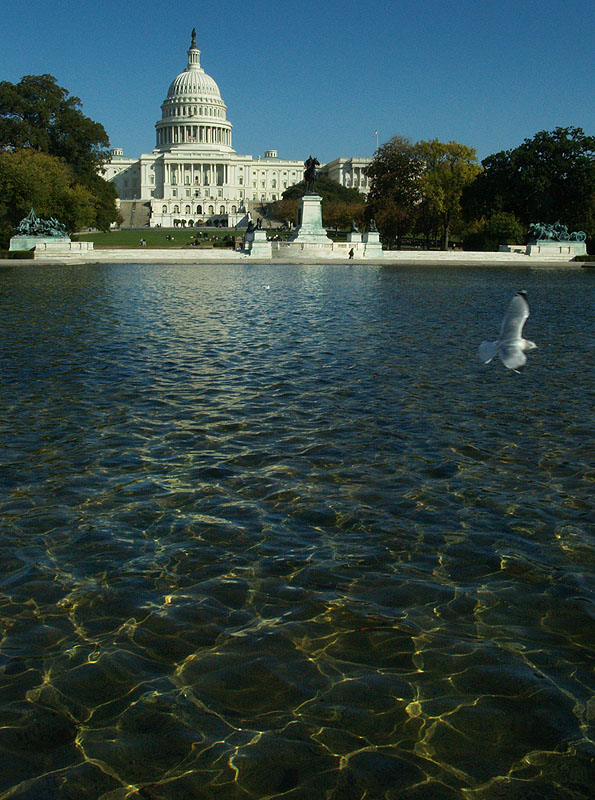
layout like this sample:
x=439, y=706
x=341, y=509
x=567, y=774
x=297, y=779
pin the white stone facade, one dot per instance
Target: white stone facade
x=194, y=174
x=349, y=172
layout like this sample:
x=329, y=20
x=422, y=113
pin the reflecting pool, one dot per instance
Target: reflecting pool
x=275, y=532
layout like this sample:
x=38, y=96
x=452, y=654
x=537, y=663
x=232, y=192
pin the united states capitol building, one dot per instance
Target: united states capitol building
x=194, y=175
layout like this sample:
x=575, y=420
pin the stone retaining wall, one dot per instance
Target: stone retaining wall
x=79, y=253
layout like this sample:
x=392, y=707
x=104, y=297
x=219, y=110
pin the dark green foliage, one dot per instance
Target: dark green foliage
x=37, y=113
x=329, y=190
x=500, y=228
x=37, y=117
x=16, y=255
x=30, y=179
x=547, y=178
x=104, y=201
x=394, y=191
x=340, y=205
x=395, y=171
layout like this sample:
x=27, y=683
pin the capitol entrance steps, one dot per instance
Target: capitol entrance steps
x=135, y=213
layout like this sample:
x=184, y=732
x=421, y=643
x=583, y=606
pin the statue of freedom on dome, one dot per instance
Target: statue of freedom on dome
x=310, y=173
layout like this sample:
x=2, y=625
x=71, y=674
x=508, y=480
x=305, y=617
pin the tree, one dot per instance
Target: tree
x=29, y=179
x=394, y=195
x=104, y=202
x=448, y=168
x=488, y=234
x=547, y=178
x=392, y=219
x=36, y=113
x=340, y=205
x=331, y=191
x=340, y=215
x=38, y=116
x=284, y=210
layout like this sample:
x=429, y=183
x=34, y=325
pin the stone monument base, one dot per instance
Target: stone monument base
x=513, y=248
x=30, y=242
x=567, y=249
x=309, y=239
x=61, y=249
x=547, y=249
x=309, y=228
x=372, y=245
x=256, y=244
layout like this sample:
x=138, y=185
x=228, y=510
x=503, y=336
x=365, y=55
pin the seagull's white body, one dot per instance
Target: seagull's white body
x=510, y=346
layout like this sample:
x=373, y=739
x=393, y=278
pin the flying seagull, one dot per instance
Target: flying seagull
x=510, y=346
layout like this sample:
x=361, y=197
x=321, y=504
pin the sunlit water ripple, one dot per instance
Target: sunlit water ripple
x=294, y=541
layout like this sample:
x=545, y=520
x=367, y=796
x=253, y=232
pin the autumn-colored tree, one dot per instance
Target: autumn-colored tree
x=341, y=215
x=448, y=169
x=393, y=220
x=284, y=210
x=340, y=205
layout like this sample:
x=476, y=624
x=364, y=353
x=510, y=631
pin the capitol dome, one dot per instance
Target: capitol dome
x=193, y=112
x=194, y=81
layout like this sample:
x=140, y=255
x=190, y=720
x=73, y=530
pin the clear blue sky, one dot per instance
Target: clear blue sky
x=320, y=77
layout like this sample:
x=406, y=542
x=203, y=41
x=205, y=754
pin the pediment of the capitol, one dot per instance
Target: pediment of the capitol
x=194, y=174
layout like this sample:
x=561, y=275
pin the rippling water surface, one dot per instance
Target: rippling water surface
x=274, y=532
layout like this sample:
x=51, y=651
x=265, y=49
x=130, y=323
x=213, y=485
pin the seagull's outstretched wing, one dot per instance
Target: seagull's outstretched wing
x=487, y=351
x=517, y=312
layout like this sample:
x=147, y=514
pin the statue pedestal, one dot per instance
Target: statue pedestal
x=31, y=242
x=256, y=244
x=62, y=249
x=354, y=236
x=372, y=245
x=309, y=228
x=564, y=249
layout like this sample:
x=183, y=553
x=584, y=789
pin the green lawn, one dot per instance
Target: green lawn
x=155, y=237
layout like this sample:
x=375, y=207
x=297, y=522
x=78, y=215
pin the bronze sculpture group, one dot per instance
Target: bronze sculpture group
x=32, y=225
x=541, y=231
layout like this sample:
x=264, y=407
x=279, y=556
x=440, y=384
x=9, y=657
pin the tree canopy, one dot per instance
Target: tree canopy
x=547, y=178
x=490, y=232
x=418, y=184
x=37, y=113
x=340, y=205
x=395, y=196
x=29, y=179
x=328, y=189
x=448, y=168
x=43, y=132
